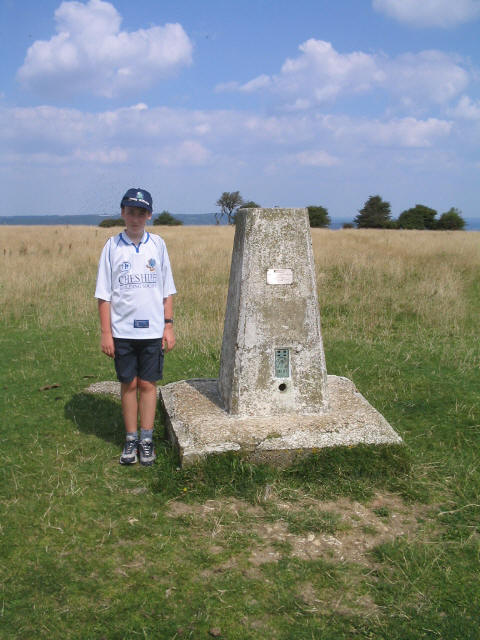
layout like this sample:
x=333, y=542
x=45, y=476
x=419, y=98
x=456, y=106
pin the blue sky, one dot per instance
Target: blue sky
x=314, y=102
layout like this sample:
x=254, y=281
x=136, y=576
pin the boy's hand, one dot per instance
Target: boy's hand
x=107, y=344
x=168, y=340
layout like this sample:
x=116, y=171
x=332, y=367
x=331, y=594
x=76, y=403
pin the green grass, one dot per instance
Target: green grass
x=90, y=549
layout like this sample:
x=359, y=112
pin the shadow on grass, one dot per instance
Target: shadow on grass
x=98, y=415
x=356, y=472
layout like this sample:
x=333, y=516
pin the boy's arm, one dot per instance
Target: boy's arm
x=168, y=340
x=106, y=341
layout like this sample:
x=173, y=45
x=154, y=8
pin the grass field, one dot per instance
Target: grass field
x=351, y=543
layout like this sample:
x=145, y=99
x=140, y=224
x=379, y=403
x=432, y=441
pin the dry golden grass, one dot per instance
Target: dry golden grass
x=371, y=278
x=367, y=279
x=48, y=276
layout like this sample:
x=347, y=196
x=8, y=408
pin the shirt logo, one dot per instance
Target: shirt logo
x=125, y=266
x=151, y=264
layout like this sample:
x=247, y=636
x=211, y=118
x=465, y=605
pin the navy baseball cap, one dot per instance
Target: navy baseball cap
x=136, y=197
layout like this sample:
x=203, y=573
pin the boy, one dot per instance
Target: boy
x=134, y=291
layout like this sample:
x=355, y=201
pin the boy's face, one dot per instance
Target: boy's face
x=135, y=219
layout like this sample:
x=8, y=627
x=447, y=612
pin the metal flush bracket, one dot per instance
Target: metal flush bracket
x=282, y=363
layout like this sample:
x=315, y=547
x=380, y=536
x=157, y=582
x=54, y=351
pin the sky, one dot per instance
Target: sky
x=318, y=102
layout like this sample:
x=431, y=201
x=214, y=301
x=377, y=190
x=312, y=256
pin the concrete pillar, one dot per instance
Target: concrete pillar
x=270, y=403
x=272, y=360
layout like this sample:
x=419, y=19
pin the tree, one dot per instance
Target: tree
x=228, y=202
x=375, y=214
x=112, y=222
x=418, y=217
x=250, y=204
x=428, y=216
x=451, y=219
x=318, y=216
x=166, y=218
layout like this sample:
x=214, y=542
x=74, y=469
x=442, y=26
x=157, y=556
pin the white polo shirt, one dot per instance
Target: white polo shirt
x=135, y=279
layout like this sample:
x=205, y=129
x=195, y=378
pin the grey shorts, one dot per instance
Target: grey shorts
x=138, y=358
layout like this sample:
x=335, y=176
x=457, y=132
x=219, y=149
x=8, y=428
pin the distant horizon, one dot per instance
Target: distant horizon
x=93, y=219
x=185, y=213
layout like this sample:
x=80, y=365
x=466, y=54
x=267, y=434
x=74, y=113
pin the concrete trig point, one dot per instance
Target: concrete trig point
x=273, y=399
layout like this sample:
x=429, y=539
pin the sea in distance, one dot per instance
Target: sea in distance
x=188, y=219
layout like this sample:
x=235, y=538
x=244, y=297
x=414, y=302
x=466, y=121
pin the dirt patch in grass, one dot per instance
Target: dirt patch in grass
x=264, y=554
x=219, y=568
x=357, y=528
x=360, y=528
x=228, y=505
x=341, y=602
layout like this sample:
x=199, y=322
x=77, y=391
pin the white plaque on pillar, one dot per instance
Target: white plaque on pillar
x=279, y=276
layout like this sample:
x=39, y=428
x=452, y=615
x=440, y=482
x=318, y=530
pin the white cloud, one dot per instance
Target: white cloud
x=30, y=128
x=260, y=82
x=181, y=150
x=187, y=153
x=91, y=54
x=466, y=109
x=398, y=132
x=425, y=77
x=320, y=74
x=138, y=137
x=103, y=156
x=316, y=159
x=430, y=13
x=328, y=71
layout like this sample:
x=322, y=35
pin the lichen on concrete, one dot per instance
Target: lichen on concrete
x=262, y=317
x=199, y=425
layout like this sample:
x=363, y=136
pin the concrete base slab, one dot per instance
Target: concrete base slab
x=199, y=425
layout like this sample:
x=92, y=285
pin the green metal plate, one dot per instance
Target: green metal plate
x=282, y=363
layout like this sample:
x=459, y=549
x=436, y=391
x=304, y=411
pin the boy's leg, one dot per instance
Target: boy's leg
x=147, y=405
x=130, y=405
x=130, y=411
x=126, y=366
x=127, y=361
x=150, y=365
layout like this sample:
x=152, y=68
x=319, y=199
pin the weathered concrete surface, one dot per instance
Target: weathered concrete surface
x=262, y=317
x=198, y=424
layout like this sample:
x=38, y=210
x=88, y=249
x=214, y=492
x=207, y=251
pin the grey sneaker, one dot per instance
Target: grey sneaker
x=129, y=453
x=147, y=452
